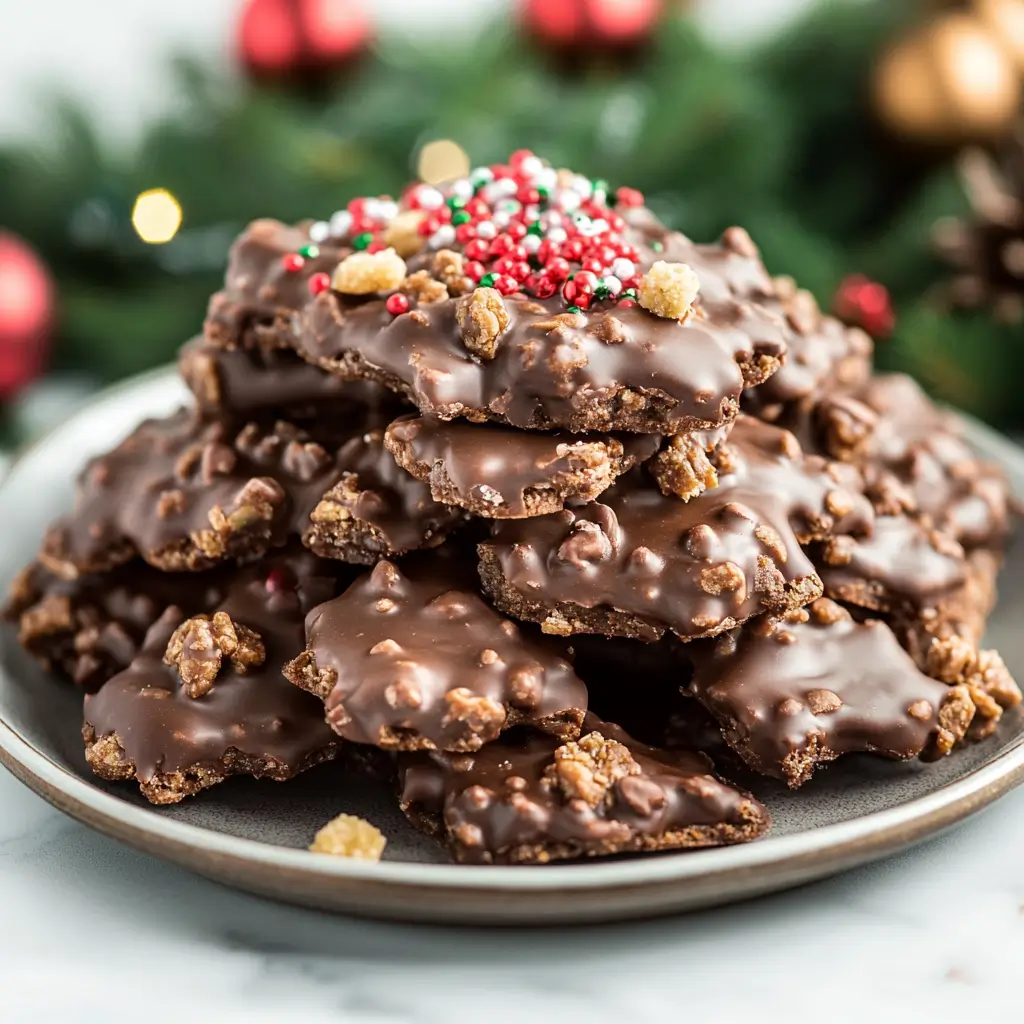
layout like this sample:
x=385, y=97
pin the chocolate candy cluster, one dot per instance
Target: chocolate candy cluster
x=476, y=480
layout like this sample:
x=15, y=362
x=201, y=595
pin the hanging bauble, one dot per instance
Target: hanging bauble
x=292, y=39
x=949, y=81
x=26, y=314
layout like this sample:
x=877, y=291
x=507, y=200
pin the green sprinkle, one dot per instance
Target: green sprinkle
x=599, y=185
x=362, y=241
x=309, y=252
x=630, y=293
x=544, y=193
x=657, y=246
x=461, y=217
x=602, y=290
x=456, y=202
x=487, y=281
x=535, y=228
x=575, y=309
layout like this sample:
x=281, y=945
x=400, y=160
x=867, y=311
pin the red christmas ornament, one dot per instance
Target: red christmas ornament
x=864, y=303
x=26, y=314
x=295, y=38
x=600, y=23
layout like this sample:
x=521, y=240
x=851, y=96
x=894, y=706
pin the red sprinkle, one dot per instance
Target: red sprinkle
x=376, y=246
x=292, y=262
x=465, y=233
x=278, y=580
x=474, y=270
x=506, y=285
x=319, y=283
x=516, y=231
x=558, y=269
x=477, y=249
x=397, y=304
x=627, y=303
x=629, y=197
x=541, y=285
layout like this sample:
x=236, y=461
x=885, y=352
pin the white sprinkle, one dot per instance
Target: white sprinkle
x=547, y=178
x=612, y=283
x=463, y=188
x=485, y=229
x=481, y=174
x=567, y=199
x=320, y=231
x=623, y=268
x=501, y=219
x=600, y=226
x=556, y=235
x=550, y=219
x=388, y=209
x=371, y=207
x=341, y=224
x=531, y=213
x=510, y=206
x=506, y=186
x=429, y=198
x=582, y=185
x=531, y=166
x=442, y=237
x=531, y=243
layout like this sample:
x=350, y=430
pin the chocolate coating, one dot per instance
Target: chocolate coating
x=612, y=368
x=553, y=369
x=186, y=495
x=639, y=563
x=91, y=627
x=528, y=799
x=902, y=565
x=143, y=724
x=796, y=694
x=257, y=382
x=501, y=473
x=414, y=659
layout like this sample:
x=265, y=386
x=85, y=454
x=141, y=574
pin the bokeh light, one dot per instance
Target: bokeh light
x=156, y=216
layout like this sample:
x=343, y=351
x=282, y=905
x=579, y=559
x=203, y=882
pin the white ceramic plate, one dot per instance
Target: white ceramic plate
x=253, y=834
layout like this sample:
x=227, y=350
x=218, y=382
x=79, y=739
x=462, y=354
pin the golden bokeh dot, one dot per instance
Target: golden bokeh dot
x=442, y=160
x=156, y=216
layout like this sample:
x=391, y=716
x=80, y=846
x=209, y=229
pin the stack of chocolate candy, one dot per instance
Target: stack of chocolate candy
x=537, y=502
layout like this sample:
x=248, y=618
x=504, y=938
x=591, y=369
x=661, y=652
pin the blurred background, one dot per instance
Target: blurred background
x=871, y=147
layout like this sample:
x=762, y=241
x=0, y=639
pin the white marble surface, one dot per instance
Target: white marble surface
x=93, y=931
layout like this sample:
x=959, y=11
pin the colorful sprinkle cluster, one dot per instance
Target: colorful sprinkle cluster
x=523, y=227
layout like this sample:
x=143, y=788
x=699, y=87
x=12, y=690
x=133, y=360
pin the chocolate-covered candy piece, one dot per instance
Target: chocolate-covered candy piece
x=822, y=354
x=412, y=658
x=795, y=694
x=186, y=495
x=529, y=799
x=263, y=289
x=92, y=626
x=501, y=473
x=902, y=565
x=638, y=563
x=374, y=509
x=618, y=369
x=914, y=458
x=206, y=698
x=257, y=382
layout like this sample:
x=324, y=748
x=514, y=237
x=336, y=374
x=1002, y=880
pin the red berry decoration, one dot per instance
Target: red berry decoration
x=397, y=304
x=292, y=262
x=608, y=24
x=319, y=282
x=26, y=314
x=864, y=303
x=282, y=39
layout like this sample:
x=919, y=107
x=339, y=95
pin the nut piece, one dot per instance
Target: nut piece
x=669, y=289
x=403, y=234
x=683, y=468
x=349, y=836
x=589, y=768
x=482, y=318
x=198, y=647
x=364, y=273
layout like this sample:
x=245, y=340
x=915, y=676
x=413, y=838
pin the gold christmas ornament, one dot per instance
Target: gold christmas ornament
x=949, y=81
x=1005, y=21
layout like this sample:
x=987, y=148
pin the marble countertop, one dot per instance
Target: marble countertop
x=93, y=931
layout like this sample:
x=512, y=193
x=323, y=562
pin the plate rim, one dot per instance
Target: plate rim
x=742, y=870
